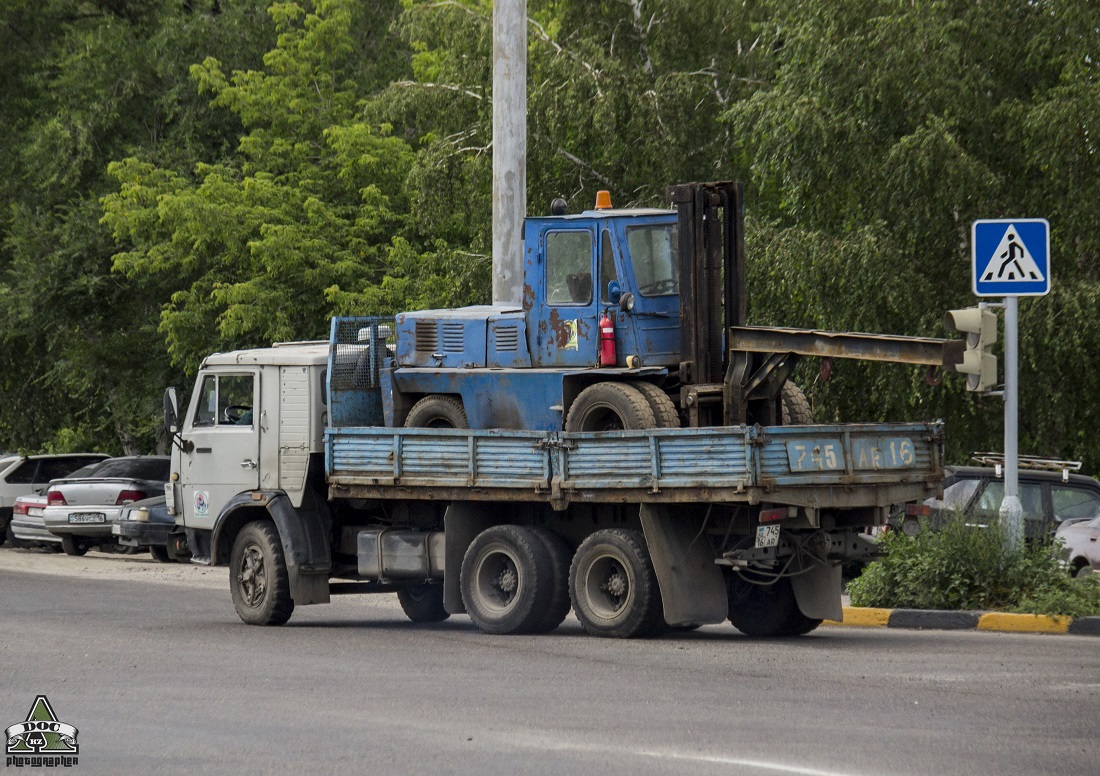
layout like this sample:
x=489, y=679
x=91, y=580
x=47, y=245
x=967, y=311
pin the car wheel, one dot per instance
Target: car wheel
x=160, y=553
x=73, y=546
x=1084, y=572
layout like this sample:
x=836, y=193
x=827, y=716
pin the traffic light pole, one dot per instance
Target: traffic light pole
x=1012, y=511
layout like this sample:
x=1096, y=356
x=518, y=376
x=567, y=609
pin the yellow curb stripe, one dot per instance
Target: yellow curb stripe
x=1024, y=623
x=863, y=616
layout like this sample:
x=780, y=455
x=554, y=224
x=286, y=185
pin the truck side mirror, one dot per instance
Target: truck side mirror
x=171, y=410
x=614, y=291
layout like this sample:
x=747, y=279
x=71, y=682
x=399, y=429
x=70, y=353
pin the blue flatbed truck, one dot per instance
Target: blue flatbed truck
x=511, y=463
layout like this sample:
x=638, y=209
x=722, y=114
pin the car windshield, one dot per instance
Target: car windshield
x=653, y=251
x=136, y=468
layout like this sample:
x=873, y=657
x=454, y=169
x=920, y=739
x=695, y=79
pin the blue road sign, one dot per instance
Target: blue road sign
x=1010, y=257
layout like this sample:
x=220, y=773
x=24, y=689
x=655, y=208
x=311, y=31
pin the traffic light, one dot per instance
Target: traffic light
x=978, y=364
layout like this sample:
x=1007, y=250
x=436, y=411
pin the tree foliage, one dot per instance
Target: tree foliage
x=185, y=176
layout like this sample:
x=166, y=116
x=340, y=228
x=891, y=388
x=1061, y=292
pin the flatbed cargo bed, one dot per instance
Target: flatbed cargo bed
x=819, y=466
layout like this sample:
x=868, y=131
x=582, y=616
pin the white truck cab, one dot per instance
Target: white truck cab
x=255, y=419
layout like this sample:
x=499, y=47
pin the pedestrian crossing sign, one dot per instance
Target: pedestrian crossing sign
x=1010, y=257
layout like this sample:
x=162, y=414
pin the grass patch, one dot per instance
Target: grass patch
x=960, y=567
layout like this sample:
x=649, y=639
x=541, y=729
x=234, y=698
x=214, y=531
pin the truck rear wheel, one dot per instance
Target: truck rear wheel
x=506, y=580
x=423, y=603
x=258, y=578
x=610, y=407
x=796, y=407
x=767, y=610
x=437, y=412
x=559, y=555
x=664, y=410
x=613, y=586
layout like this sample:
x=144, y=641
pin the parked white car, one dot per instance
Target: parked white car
x=81, y=510
x=27, y=475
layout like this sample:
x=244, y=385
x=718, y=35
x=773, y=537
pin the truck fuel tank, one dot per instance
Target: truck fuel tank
x=388, y=555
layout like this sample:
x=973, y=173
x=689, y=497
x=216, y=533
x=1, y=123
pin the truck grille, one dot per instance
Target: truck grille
x=453, y=340
x=507, y=338
x=427, y=336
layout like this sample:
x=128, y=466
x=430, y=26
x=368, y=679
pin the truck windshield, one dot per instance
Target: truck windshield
x=653, y=253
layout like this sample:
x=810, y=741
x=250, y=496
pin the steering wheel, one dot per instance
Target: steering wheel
x=233, y=412
x=662, y=286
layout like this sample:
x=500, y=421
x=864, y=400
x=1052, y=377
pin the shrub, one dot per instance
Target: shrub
x=963, y=567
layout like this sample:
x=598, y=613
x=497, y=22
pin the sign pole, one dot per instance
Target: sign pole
x=1012, y=511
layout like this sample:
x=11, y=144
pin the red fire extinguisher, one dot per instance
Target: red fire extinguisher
x=607, y=339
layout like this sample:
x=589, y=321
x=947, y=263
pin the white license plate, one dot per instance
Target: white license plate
x=35, y=511
x=87, y=517
x=767, y=535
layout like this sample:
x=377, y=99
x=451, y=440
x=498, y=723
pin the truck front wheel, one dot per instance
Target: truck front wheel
x=258, y=577
x=506, y=580
x=613, y=586
x=610, y=407
x=422, y=603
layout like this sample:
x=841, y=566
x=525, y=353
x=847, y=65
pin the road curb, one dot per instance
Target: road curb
x=921, y=619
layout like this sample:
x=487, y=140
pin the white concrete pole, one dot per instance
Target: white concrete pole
x=509, y=148
x=1012, y=510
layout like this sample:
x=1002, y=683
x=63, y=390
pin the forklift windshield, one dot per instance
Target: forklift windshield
x=654, y=256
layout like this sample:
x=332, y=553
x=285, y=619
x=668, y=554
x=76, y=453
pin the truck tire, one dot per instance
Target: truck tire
x=767, y=610
x=613, y=586
x=258, y=578
x=796, y=407
x=664, y=411
x=506, y=580
x=437, y=412
x=610, y=407
x=560, y=555
x=423, y=603
x=73, y=546
x=160, y=553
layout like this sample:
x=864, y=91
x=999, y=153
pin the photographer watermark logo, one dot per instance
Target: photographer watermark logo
x=42, y=741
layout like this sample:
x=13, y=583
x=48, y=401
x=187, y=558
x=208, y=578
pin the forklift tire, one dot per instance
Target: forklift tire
x=610, y=407
x=423, y=603
x=437, y=412
x=766, y=611
x=664, y=411
x=73, y=546
x=258, y=579
x=506, y=581
x=560, y=555
x=613, y=586
x=796, y=407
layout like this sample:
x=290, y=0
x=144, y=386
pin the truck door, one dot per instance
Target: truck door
x=566, y=298
x=225, y=431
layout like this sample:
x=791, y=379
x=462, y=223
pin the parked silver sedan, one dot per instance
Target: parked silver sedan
x=81, y=510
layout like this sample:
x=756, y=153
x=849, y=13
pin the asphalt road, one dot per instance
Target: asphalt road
x=152, y=666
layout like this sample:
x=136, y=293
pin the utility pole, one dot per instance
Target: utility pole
x=509, y=149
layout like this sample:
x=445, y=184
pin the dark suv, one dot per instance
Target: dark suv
x=1049, y=492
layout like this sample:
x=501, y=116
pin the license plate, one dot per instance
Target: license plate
x=87, y=517
x=767, y=535
x=888, y=453
x=35, y=512
x=116, y=529
x=815, y=455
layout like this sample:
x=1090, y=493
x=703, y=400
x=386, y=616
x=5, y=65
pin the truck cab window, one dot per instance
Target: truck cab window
x=569, y=268
x=225, y=401
x=607, y=266
x=653, y=252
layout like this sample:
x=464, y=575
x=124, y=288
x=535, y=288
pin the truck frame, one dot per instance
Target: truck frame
x=490, y=461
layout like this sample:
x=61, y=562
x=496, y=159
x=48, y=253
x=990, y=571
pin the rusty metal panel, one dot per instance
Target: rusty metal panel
x=613, y=459
x=848, y=454
x=706, y=457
